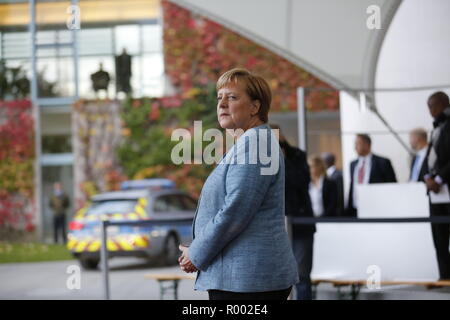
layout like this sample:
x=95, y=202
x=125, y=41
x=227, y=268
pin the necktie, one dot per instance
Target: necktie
x=416, y=169
x=361, y=171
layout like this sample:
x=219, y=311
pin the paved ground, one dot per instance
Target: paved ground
x=48, y=280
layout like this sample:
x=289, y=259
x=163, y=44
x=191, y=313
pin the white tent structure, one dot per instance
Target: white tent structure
x=392, y=53
x=397, y=62
x=328, y=38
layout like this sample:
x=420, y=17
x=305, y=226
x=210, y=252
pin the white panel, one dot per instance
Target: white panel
x=401, y=250
x=393, y=200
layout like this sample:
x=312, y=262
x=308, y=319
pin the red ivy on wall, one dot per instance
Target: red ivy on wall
x=197, y=51
x=16, y=165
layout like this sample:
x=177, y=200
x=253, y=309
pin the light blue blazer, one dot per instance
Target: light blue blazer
x=240, y=242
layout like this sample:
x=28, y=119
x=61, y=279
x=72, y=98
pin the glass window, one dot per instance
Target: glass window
x=167, y=204
x=64, y=36
x=55, y=65
x=151, y=38
x=56, y=144
x=127, y=37
x=161, y=205
x=95, y=41
x=16, y=45
x=111, y=207
x=55, y=76
x=46, y=37
x=188, y=203
x=23, y=64
x=152, y=65
x=152, y=75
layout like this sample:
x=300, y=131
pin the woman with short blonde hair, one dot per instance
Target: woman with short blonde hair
x=256, y=88
x=322, y=191
x=241, y=249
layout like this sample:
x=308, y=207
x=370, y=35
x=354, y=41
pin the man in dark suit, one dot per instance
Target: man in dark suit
x=438, y=176
x=418, y=142
x=368, y=168
x=329, y=196
x=59, y=203
x=298, y=204
x=335, y=175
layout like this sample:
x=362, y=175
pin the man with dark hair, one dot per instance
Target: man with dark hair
x=438, y=176
x=298, y=204
x=335, y=175
x=365, y=137
x=368, y=168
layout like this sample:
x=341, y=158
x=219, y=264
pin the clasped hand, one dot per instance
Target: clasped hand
x=185, y=263
x=432, y=185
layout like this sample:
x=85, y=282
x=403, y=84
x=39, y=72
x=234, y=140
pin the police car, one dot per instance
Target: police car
x=148, y=199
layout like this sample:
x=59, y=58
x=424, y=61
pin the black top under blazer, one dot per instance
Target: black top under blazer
x=329, y=198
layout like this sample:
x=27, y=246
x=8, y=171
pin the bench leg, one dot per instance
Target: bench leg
x=353, y=294
x=314, y=291
x=356, y=288
x=341, y=295
x=172, y=286
x=175, y=289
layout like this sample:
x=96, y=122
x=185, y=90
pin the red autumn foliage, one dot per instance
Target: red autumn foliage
x=16, y=165
x=197, y=50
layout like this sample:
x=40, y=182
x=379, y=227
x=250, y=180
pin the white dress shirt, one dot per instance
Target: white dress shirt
x=420, y=157
x=367, y=160
x=315, y=193
x=330, y=171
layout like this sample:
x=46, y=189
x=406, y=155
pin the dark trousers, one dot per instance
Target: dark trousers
x=267, y=295
x=59, y=226
x=350, y=212
x=303, y=251
x=441, y=236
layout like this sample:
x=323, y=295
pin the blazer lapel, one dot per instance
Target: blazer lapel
x=412, y=167
x=195, y=216
x=373, y=167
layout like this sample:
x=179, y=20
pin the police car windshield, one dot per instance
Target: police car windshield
x=111, y=207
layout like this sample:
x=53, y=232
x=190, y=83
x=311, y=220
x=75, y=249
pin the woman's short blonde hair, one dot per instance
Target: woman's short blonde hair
x=317, y=162
x=256, y=87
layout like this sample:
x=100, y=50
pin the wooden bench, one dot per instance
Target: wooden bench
x=168, y=282
x=356, y=285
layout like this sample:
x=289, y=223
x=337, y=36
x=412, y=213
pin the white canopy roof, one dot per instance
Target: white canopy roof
x=328, y=38
x=331, y=39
